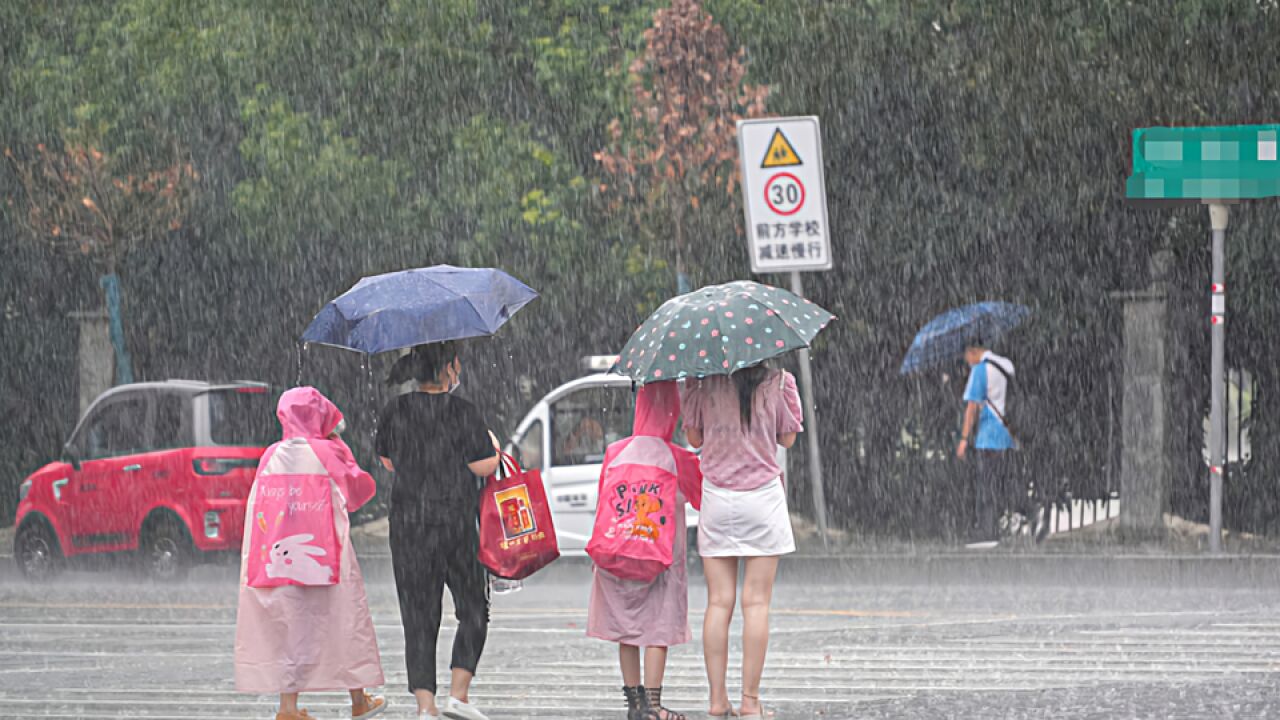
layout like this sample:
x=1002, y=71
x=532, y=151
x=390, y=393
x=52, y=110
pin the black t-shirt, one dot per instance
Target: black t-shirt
x=430, y=440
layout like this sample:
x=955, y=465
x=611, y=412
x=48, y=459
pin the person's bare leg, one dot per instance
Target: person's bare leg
x=288, y=702
x=655, y=670
x=461, y=685
x=426, y=702
x=757, y=593
x=655, y=666
x=722, y=586
x=629, y=661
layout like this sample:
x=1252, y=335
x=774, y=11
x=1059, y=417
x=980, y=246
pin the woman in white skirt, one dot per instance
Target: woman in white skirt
x=738, y=421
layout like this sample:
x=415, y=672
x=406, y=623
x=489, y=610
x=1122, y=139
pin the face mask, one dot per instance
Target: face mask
x=342, y=427
x=457, y=380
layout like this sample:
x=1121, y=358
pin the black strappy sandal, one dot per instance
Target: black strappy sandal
x=637, y=703
x=654, y=697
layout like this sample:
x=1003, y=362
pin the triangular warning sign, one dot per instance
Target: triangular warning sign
x=780, y=152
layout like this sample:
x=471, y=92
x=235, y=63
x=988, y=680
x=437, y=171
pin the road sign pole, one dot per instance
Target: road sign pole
x=1218, y=216
x=811, y=428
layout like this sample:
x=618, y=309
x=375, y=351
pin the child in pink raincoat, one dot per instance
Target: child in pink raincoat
x=654, y=615
x=297, y=638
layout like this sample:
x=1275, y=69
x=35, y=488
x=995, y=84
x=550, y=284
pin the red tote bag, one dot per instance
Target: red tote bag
x=517, y=536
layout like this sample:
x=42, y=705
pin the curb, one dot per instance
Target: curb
x=966, y=569
x=1243, y=571
x=987, y=568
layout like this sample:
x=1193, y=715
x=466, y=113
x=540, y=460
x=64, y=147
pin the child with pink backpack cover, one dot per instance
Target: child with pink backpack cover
x=303, y=622
x=640, y=589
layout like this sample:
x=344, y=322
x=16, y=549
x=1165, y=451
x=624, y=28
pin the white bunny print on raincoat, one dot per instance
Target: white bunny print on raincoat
x=292, y=558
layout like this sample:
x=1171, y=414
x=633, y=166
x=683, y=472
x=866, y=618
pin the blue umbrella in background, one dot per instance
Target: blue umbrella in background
x=412, y=307
x=944, y=339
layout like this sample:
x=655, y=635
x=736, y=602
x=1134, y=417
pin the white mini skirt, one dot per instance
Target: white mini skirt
x=751, y=523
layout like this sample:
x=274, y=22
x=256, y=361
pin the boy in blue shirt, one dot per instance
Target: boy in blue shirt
x=985, y=430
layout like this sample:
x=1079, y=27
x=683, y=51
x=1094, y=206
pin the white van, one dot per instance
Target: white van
x=565, y=436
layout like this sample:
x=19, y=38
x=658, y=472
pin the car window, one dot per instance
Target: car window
x=172, y=425
x=530, y=447
x=585, y=422
x=242, y=417
x=118, y=428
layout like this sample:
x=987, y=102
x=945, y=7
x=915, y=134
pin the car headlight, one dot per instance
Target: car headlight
x=24, y=490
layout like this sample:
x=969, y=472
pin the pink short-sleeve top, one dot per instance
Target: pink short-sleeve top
x=734, y=456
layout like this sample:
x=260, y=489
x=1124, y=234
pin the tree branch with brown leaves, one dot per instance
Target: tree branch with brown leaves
x=689, y=92
x=78, y=200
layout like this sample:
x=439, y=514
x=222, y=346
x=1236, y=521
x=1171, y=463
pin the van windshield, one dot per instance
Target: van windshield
x=242, y=417
x=585, y=422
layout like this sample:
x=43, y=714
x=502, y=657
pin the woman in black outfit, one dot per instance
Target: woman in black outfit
x=438, y=446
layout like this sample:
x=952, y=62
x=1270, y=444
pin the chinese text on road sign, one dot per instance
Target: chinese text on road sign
x=785, y=194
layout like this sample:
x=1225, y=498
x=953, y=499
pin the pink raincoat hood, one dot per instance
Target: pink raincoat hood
x=657, y=410
x=305, y=412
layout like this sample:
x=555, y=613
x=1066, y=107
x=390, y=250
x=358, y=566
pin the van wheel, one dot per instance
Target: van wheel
x=166, y=550
x=37, y=552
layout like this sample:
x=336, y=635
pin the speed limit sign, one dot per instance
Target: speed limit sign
x=785, y=194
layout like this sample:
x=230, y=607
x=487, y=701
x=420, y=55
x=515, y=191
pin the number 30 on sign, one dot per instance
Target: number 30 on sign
x=784, y=193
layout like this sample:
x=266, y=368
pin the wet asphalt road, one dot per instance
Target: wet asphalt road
x=103, y=644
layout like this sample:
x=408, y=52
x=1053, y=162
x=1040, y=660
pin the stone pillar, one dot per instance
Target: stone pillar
x=1146, y=411
x=96, y=356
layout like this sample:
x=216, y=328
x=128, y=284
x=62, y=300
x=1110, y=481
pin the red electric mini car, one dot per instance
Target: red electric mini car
x=161, y=469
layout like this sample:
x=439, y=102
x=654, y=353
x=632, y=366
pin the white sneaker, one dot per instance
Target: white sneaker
x=424, y=715
x=458, y=710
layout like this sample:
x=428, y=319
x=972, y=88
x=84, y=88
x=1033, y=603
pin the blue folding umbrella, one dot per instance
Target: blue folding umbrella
x=946, y=336
x=412, y=307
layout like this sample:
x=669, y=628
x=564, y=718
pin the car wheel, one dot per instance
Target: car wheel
x=166, y=550
x=37, y=552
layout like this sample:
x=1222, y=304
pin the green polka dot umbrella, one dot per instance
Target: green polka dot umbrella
x=720, y=329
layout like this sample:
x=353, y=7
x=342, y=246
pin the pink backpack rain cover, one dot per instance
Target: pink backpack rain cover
x=290, y=512
x=640, y=487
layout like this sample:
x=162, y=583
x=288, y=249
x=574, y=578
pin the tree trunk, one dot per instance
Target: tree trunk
x=110, y=283
x=682, y=278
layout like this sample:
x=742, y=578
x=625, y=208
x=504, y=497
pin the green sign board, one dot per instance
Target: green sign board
x=1194, y=164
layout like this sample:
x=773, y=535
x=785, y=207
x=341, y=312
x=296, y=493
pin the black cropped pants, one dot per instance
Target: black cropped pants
x=426, y=559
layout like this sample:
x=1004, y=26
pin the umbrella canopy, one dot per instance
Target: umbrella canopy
x=412, y=307
x=719, y=329
x=946, y=336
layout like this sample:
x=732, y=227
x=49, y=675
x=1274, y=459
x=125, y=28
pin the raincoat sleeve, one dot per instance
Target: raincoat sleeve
x=357, y=486
x=790, y=414
x=689, y=476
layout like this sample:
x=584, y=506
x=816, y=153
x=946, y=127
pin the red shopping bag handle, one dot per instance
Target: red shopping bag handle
x=507, y=462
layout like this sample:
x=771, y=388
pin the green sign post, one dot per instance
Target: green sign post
x=1214, y=166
